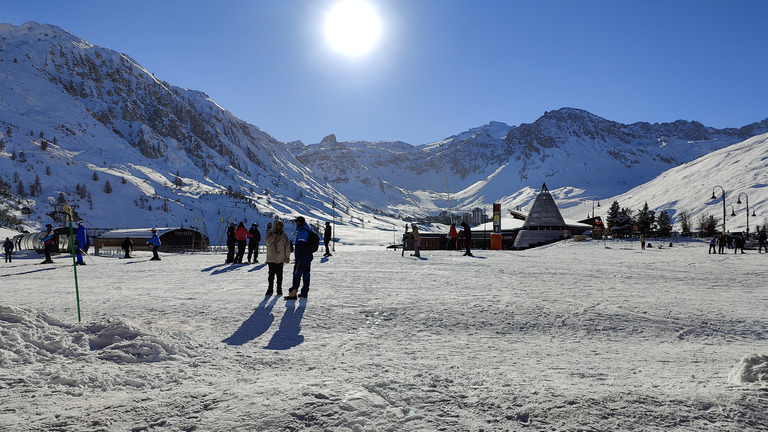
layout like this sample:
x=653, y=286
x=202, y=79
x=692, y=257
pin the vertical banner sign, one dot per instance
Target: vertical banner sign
x=497, y=218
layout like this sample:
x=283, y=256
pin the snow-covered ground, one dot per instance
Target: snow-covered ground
x=569, y=337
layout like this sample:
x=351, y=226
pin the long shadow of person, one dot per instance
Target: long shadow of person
x=287, y=336
x=256, y=325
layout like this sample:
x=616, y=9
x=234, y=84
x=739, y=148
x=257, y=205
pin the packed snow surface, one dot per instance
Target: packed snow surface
x=576, y=336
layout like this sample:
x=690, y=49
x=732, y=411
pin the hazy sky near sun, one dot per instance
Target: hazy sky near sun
x=440, y=67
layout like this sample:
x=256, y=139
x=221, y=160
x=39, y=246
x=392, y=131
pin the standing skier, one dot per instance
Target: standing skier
x=416, y=240
x=127, y=246
x=230, y=244
x=453, y=236
x=155, y=242
x=762, y=240
x=302, y=261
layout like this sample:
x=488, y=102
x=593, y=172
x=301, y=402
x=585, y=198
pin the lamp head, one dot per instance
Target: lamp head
x=738, y=200
x=713, y=196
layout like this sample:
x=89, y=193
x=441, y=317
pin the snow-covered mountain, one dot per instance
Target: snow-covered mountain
x=92, y=127
x=568, y=149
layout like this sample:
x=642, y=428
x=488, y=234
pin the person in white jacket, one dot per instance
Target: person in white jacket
x=278, y=254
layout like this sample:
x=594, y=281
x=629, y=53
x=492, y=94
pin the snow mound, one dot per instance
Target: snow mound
x=28, y=337
x=753, y=368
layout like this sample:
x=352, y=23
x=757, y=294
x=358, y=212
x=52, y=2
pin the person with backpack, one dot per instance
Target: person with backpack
x=307, y=242
x=48, y=243
x=8, y=248
x=253, y=243
x=278, y=254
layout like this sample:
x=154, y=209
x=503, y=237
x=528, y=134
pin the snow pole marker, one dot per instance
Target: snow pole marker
x=68, y=211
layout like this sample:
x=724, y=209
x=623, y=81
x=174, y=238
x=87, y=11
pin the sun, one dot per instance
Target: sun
x=352, y=27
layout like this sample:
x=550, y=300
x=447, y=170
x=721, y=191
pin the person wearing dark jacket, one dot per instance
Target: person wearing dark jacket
x=48, y=243
x=253, y=243
x=81, y=243
x=127, y=246
x=302, y=261
x=8, y=249
x=231, y=244
x=467, y=238
x=327, y=237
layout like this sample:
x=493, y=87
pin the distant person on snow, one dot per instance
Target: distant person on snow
x=81, y=243
x=253, y=243
x=416, y=240
x=127, y=246
x=155, y=242
x=453, y=238
x=327, y=237
x=302, y=261
x=278, y=254
x=467, y=238
x=241, y=235
x=713, y=246
x=48, y=243
x=721, y=244
x=231, y=242
x=739, y=243
x=8, y=248
x=762, y=240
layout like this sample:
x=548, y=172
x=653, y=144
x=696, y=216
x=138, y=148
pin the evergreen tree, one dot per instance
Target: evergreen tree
x=685, y=223
x=645, y=219
x=62, y=199
x=107, y=187
x=664, y=222
x=43, y=145
x=2, y=144
x=95, y=176
x=20, y=191
x=36, y=188
x=708, y=225
x=613, y=213
x=47, y=170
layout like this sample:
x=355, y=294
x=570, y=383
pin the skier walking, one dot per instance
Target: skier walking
x=8, y=248
x=302, y=261
x=467, y=238
x=253, y=243
x=155, y=242
x=278, y=254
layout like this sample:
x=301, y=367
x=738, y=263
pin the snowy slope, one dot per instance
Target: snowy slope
x=170, y=155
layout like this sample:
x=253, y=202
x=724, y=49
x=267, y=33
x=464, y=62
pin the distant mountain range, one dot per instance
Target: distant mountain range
x=92, y=127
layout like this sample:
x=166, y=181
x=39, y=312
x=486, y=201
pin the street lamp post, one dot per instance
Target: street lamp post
x=447, y=191
x=333, y=205
x=714, y=198
x=738, y=201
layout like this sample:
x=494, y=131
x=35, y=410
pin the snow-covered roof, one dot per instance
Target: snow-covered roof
x=135, y=232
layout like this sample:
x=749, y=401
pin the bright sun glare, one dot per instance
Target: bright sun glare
x=352, y=27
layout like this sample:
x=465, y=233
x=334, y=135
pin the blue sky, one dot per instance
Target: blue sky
x=440, y=66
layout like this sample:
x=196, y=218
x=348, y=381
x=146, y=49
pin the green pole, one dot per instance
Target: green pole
x=74, y=267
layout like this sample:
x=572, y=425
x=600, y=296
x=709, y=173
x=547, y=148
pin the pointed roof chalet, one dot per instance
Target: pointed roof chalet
x=544, y=212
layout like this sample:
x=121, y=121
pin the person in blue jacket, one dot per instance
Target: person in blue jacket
x=302, y=261
x=81, y=243
x=48, y=243
x=155, y=242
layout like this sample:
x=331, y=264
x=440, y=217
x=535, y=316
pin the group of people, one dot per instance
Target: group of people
x=239, y=237
x=453, y=238
x=720, y=243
